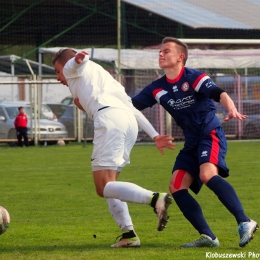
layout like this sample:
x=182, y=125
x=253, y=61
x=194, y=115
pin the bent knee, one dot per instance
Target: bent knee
x=100, y=192
x=207, y=171
x=181, y=179
x=205, y=177
x=173, y=189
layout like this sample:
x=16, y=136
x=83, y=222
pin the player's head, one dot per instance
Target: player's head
x=21, y=110
x=62, y=56
x=172, y=45
x=59, y=60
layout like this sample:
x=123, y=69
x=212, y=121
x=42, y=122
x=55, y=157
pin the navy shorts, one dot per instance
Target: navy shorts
x=209, y=148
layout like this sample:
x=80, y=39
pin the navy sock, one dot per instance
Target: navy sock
x=192, y=212
x=227, y=195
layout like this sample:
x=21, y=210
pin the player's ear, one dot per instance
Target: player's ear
x=182, y=56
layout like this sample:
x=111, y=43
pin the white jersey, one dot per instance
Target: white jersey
x=96, y=88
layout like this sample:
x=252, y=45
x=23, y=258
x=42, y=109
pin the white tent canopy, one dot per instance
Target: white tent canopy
x=148, y=58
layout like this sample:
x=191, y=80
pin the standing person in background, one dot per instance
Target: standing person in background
x=187, y=95
x=20, y=124
x=115, y=132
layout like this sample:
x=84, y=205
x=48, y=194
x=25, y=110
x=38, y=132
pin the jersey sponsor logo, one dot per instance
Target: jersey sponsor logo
x=181, y=102
x=174, y=88
x=158, y=93
x=185, y=86
x=204, y=154
x=209, y=84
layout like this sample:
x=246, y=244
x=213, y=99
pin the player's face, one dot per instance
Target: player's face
x=170, y=55
x=59, y=72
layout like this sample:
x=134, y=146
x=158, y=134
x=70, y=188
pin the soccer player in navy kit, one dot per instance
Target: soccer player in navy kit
x=187, y=95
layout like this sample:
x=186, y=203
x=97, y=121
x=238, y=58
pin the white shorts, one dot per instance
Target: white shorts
x=115, y=133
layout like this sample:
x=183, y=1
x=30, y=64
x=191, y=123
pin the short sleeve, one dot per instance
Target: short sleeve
x=146, y=97
x=204, y=84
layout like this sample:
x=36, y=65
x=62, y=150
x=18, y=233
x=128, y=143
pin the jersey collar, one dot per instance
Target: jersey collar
x=176, y=79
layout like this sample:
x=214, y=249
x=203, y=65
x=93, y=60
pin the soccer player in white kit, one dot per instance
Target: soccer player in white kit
x=115, y=131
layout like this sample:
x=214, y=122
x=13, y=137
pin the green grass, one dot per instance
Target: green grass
x=55, y=212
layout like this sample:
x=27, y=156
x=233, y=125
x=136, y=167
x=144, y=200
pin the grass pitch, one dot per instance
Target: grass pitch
x=56, y=214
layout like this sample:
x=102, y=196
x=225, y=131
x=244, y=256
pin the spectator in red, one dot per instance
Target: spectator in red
x=20, y=125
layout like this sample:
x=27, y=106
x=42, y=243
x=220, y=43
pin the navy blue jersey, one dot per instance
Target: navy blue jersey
x=187, y=100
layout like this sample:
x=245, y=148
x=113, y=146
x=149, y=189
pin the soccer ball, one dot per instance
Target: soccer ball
x=60, y=142
x=4, y=220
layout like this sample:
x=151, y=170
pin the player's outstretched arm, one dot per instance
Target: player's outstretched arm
x=80, y=57
x=164, y=141
x=161, y=141
x=229, y=105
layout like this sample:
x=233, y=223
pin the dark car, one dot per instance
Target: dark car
x=67, y=100
x=57, y=108
x=249, y=127
x=70, y=120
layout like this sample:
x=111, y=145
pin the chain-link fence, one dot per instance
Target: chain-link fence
x=53, y=116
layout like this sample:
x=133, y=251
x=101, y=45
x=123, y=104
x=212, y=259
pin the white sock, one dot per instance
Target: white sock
x=120, y=213
x=128, y=192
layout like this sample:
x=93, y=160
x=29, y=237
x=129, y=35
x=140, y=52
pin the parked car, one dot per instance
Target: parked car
x=45, y=110
x=57, y=108
x=250, y=125
x=68, y=120
x=67, y=100
x=49, y=129
x=48, y=112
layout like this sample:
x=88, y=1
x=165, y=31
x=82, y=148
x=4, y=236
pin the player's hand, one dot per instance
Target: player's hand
x=80, y=56
x=77, y=103
x=234, y=114
x=164, y=141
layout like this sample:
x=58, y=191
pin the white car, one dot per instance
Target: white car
x=49, y=129
x=45, y=109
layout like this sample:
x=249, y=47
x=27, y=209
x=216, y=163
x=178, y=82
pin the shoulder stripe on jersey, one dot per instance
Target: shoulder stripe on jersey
x=198, y=82
x=157, y=93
